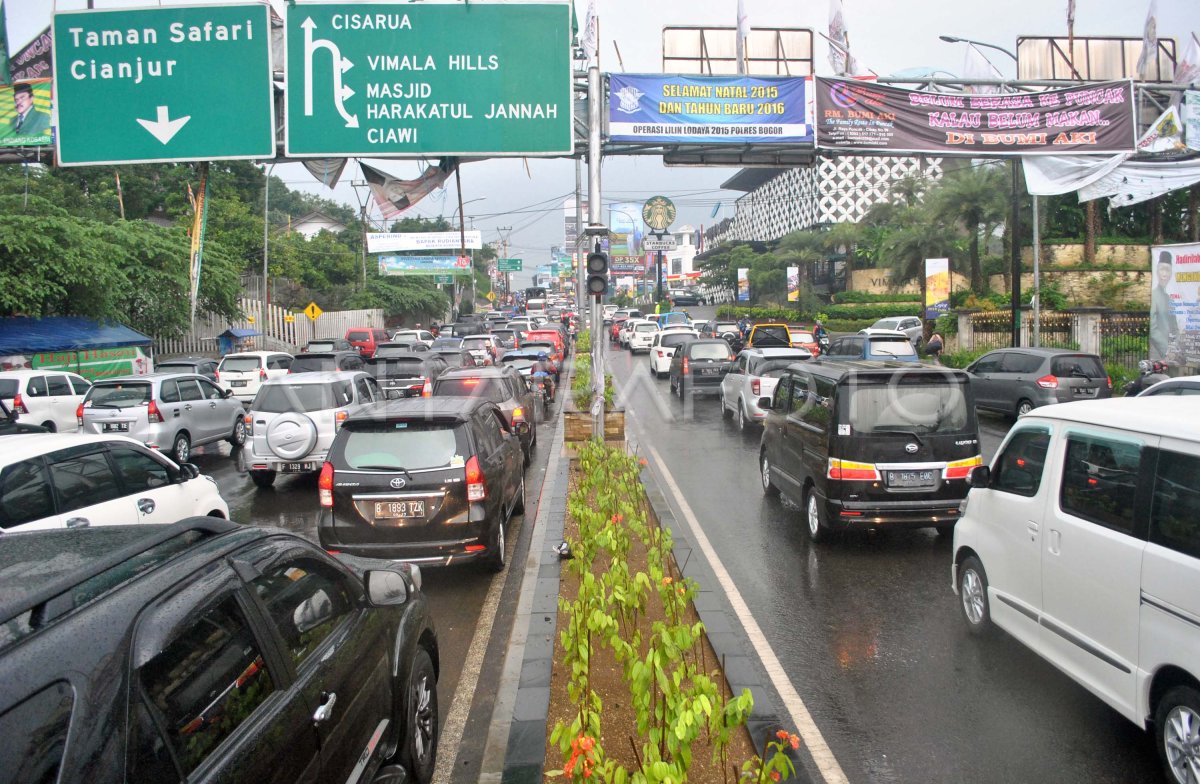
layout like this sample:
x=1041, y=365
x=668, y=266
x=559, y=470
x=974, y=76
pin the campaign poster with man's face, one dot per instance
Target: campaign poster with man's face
x=1175, y=303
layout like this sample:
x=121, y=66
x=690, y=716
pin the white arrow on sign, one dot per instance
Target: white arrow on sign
x=341, y=92
x=164, y=129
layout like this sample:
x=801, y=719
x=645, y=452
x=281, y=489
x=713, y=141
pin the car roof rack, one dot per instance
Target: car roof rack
x=213, y=526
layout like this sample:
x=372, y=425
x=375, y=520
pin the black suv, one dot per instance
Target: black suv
x=504, y=386
x=870, y=444
x=406, y=375
x=320, y=361
x=201, y=366
x=700, y=364
x=209, y=650
x=428, y=481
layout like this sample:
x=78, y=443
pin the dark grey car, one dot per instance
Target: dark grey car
x=700, y=365
x=1017, y=380
x=503, y=386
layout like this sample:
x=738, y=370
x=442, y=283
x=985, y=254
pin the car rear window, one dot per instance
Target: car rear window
x=241, y=364
x=493, y=389
x=802, y=337
x=303, y=364
x=361, y=337
x=323, y=345
x=646, y=328
x=408, y=445
x=907, y=408
x=771, y=336
x=886, y=324
x=119, y=395
x=670, y=340
x=709, y=351
x=774, y=367
x=278, y=398
x=891, y=347
x=8, y=387
x=399, y=366
x=1078, y=365
x=476, y=343
x=176, y=367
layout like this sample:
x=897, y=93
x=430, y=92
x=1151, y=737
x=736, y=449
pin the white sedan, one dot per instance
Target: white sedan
x=662, y=348
x=642, y=336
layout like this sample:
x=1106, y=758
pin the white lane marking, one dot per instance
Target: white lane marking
x=806, y=727
x=460, y=706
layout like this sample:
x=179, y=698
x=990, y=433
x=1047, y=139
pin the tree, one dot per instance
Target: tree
x=975, y=198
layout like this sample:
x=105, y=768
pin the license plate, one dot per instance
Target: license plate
x=296, y=468
x=390, y=510
x=709, y=371
x=1085, y=392
x=238, y=383
x=115, y=427
x=912, y=478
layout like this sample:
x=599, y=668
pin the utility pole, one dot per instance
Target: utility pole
x=504, y=251
x=580, y=249
x=594, y=161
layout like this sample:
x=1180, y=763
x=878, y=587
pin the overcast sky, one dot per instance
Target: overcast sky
x=885, y=35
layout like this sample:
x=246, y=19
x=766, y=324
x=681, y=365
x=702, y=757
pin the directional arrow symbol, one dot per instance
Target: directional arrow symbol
x=164, y=129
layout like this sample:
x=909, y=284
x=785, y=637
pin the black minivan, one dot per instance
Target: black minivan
x=863, y=444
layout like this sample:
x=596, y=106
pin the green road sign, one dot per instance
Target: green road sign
x=443, y=278
x=508, y=265
x=173, y=83
x=470, y=78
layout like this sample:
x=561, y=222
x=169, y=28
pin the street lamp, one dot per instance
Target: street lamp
x=951, y=39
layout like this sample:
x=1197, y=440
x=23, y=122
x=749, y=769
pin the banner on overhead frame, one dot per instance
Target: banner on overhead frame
x=743, y=284
x=707, y=109
x=423, y=265
x=793, y=283
x=384, y=242
x=1088, y=119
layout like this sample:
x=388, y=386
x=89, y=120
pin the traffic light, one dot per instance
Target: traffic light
x=597, y=273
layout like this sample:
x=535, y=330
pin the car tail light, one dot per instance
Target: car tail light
x=79, y=415
x=684, y=370
x=476, y=488
x=217, y=376
x=660, y=354
x=19, y=405
x=1109, y=381
x=249, y=420
x=1048, y=382
x=262, y=374
x=848, y=469
x=959, y=469
x=325, y=485
x=518, y=415
x=339, y=417
x=426, y=389
x=755, y=387
x=152, y=412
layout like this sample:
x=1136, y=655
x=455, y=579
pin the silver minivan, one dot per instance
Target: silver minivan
x=168, y=411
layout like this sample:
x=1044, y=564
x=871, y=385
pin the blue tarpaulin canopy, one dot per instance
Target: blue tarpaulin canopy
x=239, y=332
x=22, y=335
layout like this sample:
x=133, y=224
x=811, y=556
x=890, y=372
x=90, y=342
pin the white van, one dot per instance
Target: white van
x=537, y=306
x=1082, y=540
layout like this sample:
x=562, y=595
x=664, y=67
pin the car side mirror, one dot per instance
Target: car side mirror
x=188, y=471
x=980, y=476
x=385, y=587
x=765, y=403
x=227, y=393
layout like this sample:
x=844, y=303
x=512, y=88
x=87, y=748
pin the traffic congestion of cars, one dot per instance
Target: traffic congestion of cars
x=1080, y=538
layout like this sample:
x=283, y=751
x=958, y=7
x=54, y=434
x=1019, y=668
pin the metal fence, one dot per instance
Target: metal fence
x=1119, y=337
x=1125, y=338
x=278, y=332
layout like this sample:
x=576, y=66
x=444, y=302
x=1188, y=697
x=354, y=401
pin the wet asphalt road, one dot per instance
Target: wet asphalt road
x=868, y=629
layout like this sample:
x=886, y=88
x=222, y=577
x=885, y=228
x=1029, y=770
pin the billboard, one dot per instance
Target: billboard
x=1088, y=119
x=793, y=284
x=1175, y=303
x=937, y=287
x=423, y=265
x=25, y=114
x=387, y=242
x=743, y=284
x=707, y=109
x=625, y=229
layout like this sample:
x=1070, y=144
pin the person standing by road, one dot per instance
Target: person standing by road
x=935, y=347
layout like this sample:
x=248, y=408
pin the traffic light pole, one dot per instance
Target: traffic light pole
x=594, y=220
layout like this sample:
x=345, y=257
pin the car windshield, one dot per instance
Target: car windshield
x=119, y=395
x=1077, y=365
x=303, y=364
x=493, y=389
x=892, y=347
x=447, y=343
x=907, y=408
x=538, y=346
x=402, y=445
x=240, y=364
x=394, y=349
x=279, y=398
x=709, y=351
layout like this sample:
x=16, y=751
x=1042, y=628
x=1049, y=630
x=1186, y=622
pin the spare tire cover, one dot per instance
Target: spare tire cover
x=291, y=436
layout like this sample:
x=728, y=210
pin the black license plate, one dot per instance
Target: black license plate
x=709, y=371
x=115, y=427
x=296, y=468
x=912, y=478
x=391, y=510
x=238, y=383
x=1080, y=392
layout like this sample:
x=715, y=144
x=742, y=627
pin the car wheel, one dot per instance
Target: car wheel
x=53, y=428
x=418, y=747
x=181, y=449
x=519, y=505
x=238, y=437
x=743, y=422
x=725, y=412
x=1177, y=732
x=945, y=529
x=764, y=469
x=973, y=596
x=262, y=478
x=495, y=556
x=814, y=513
x=1024, y=407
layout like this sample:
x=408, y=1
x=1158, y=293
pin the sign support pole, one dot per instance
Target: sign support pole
x=660, y=274
x=580, y=242
x=594, y=160
x=1015, y=240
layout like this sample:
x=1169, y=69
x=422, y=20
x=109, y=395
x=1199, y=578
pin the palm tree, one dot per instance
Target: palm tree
x=844, y=235
x=974, y=197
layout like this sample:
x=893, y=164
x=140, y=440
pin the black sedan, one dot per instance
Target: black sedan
x=700, y=365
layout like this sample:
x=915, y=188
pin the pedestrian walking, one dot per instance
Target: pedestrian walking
x=934, y=347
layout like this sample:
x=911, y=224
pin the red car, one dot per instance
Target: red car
x=615, y=329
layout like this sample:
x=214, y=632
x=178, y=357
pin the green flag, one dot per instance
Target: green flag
x=5, y=78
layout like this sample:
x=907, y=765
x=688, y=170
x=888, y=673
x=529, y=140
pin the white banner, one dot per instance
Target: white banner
x=388, y=242
x=1191, y=118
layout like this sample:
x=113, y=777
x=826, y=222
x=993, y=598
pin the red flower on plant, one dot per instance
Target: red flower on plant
x=782, y=734
x=774, y=775
x=794, y=741
x=642, y=461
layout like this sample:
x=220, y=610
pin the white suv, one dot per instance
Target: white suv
x=58, y=480
x=1082, y=540
x=293, y=420
x=243, y=373
x=642, y=337
x=44, y=397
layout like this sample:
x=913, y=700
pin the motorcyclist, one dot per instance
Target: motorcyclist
x=542, y=367
x=821, y=336
x=1150, y=372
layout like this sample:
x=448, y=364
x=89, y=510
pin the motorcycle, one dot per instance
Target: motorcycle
x=1150, y=372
